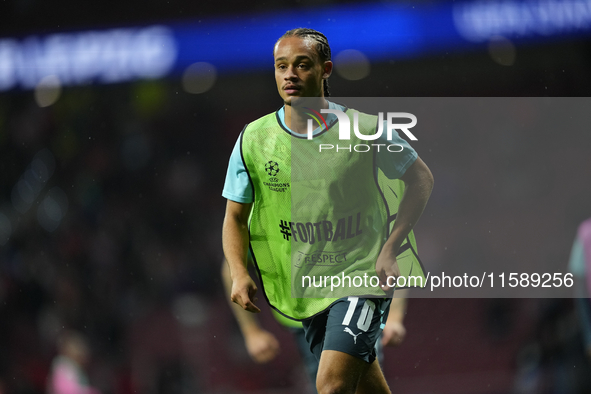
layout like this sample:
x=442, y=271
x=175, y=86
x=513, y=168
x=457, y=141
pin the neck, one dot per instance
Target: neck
x=296, y=116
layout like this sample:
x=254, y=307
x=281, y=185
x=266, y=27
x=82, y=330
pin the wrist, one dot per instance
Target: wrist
x=391, y=247
x=394, y=320
x=238, y=272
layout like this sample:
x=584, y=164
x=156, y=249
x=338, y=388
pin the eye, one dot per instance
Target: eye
x=303, y=66
x=280, y=66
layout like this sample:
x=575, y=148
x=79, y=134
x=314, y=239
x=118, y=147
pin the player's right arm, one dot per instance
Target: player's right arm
x=235, y=242
x=262, y=346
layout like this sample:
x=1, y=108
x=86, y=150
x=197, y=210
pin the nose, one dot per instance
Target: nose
x=290, y=74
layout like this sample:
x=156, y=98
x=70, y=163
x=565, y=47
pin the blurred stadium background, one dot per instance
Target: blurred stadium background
x=116, y=123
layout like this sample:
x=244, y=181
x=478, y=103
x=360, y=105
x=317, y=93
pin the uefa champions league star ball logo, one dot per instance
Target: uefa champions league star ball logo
x=272, y=168
x=274, y=185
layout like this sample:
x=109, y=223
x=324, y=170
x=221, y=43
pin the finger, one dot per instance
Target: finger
x=396, y=334
x=391, y=281
x=252, y=293
x=273, y=350
x=396, y=340
x=392, y=272
x=266, y=356
x=263, y=358
x=245, y=303
x=251, y=307
x=237, y=299
x=388, y=284
x=393, y=340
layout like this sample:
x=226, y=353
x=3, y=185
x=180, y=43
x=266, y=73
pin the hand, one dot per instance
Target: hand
x=393, y=334
x=243, y=293
x=262, y=346
x=387, y=266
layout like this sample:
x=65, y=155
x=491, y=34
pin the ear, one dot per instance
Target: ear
x=327, y=69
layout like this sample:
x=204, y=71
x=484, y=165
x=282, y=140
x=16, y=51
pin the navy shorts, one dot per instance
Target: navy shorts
x=351, y=325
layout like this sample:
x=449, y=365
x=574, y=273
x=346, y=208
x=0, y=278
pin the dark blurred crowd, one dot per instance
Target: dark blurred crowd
x=141, y=231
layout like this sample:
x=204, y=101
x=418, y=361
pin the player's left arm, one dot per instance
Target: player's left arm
x=394, y=331
x=418, y=182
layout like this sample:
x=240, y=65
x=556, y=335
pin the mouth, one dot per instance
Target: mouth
x=291, y=89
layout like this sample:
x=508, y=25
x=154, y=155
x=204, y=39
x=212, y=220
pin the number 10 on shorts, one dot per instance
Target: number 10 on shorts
x=365, y=316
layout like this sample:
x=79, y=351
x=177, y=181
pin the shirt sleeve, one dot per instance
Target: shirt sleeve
x=576, y=263
x=583, y=309
x=394, y=160
x=237, y=186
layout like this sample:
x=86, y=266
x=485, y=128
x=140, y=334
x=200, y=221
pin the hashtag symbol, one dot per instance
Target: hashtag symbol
x=284, y=226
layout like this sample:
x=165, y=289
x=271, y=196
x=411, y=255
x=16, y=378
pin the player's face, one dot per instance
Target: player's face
x=298, y=69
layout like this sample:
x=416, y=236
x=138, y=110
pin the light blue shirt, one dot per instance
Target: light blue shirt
x=576, y=263
x=577, y=266
x=394, y=164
